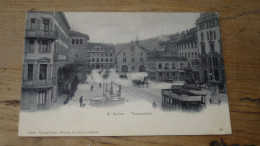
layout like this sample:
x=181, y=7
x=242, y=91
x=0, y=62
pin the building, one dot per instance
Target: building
x=132, y=58
x=162, y=68
x=210, y=50
x=46, y=49
x=101, y=56
x=78, y=53
x=187, y=48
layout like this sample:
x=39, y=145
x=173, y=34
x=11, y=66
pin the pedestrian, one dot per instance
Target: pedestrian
x=219, y=101
x=81, y=101
x=92, y=87
x=154, y=104
x=210, y=100
x=146, y=84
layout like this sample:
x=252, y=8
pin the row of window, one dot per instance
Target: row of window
x=203, y=49
x=45, y=22
x=100, y=49
x=42, y=73
x=164, y=66
x=211, y=35
x=209, y=24
x=208, y=61
x=133, y=59
x=133, y=54
x=101, y=54
x=45, y=46
x=77, y=41
x=101, y=60
x=189, y=55
x=187, y=45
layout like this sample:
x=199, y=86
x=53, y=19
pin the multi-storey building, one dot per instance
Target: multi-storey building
x=46, y=49
x=78, y=53
x=165, y=68
x=187, y=48
x=210, y=50
x=132, y=58
x=101, y=56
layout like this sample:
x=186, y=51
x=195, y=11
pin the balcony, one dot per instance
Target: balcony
x=35, y=33
x=39, y=83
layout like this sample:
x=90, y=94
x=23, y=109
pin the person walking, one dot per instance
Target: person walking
x=81, y=101
x=92, y=87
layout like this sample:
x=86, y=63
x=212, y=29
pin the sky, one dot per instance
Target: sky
x=122, y=27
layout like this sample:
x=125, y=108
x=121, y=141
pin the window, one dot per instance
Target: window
x=141, y=54
x=211, y=35
x=77, y=41
x=192, y=55
x=30, y=72
x=106, y=60
x=101, y=55
x=132, y=59
x=160, y=75
x=33, y=23
x=133, y=67
x=111, y=60
x=166, y=67
x=31, y=47
x=204, y=61
x=44, y=48
x=80, y=41
x=191, y=45
x=46, y=24
x=160, y=66
x=43, y=72
x=111, y=54
x=93, y=60
x=203, y=48
x=202, y=36
x=214, y=34
x=124, y=53
x=41, y=97
x=181, y=65
x=173, y=65
x=101, y=59
x=189, y=55
x=73, y=41
x=196, y=55
x=207, y=35
x=124, y=59
x=97, y=59
x=215, y=61
x=141, y=60
x=106, y=54
x=212, y=47
x=185, y=55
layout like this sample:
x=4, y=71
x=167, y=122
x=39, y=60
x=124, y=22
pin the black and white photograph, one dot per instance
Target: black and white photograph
x=123, y=74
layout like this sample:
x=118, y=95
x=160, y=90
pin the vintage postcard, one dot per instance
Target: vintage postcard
x=123, y=74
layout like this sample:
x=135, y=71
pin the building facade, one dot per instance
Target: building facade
x=101, y=56
x=78, y=53
x=46, y=49
x=132, y=58
x=162, y=68
x=210, y=50
x=187, y=48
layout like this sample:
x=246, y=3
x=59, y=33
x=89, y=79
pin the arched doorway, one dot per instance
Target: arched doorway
x=124, y=68
x=141, y=68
